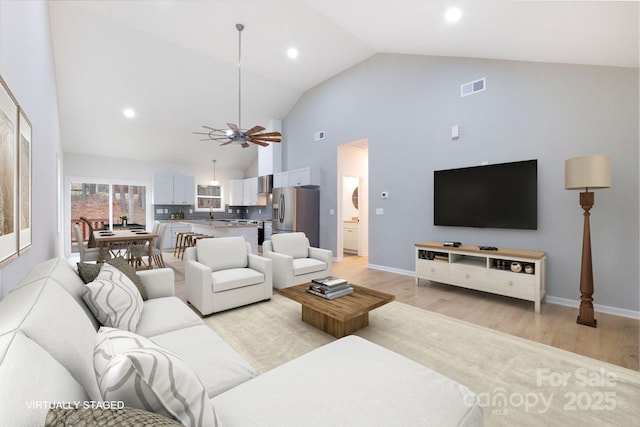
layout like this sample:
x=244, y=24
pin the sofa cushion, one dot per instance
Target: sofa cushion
x=113, y=299
x=144, y=375
x=49, y=316
x=88, y=272
x=307, y=265
x=390, y=390
x=161, y=315
x=60, y=271
x=29, y=377
x=222, y=253
x=225, y=280
x=295, y=245
x=89, y=416
x=218, y=366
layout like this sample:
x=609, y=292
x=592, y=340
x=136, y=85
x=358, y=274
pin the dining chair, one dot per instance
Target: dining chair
x=88, y=254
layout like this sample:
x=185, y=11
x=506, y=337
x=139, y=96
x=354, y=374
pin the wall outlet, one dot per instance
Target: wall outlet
x=379, y=211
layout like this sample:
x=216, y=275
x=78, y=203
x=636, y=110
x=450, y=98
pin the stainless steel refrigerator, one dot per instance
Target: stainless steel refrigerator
x=297, y=209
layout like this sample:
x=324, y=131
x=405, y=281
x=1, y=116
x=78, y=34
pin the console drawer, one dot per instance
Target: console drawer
x=432, y=270
x=469, y=276
x=511, y=284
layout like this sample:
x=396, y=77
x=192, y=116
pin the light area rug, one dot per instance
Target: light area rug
x=519, y=382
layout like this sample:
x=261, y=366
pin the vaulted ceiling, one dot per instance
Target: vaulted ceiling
x=176, y=62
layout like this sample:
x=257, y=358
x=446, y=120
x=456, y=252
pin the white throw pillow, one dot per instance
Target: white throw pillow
x=133, y=369
x=114, y=299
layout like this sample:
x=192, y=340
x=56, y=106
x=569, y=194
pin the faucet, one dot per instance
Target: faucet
x=211, y=213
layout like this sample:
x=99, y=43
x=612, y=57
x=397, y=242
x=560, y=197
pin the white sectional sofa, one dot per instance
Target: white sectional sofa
x=48, y=336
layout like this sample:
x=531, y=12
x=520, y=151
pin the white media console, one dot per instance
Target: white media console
x=511, y=272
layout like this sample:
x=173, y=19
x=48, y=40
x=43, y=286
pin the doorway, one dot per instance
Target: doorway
x=353, y=199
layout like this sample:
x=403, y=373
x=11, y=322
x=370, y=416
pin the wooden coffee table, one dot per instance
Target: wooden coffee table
x=341, y=316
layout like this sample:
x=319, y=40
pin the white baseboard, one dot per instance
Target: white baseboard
x=623, y=312
x=392, y=270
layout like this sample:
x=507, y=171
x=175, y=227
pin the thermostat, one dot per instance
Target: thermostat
x=384, y=195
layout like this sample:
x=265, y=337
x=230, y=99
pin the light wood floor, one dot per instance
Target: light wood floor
x=615, y=340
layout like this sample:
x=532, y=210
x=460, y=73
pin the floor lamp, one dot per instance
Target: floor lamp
x=588, y=172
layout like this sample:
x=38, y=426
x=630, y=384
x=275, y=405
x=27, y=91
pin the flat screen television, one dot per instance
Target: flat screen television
x=503, y=195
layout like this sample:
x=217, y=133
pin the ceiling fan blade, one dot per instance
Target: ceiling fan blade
x=234, y=128
x=266, y=139
x=209, y=127
x=244, y=145
x=226, y=143
x=264, y=144
x=254, y=130
x=269, y=134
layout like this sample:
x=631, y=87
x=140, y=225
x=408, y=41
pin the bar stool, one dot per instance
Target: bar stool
x=187, y=242
x=180, y=241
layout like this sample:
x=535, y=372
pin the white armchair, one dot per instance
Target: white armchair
x=222, y=273
x=295, y=261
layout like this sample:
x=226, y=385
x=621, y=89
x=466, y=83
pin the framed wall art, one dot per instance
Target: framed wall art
x=24, y=181
x=8, y=173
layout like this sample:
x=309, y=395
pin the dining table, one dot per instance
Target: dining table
x=130, y=241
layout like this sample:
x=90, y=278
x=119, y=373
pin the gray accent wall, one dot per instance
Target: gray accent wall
x=26, y=65
x=405, y=106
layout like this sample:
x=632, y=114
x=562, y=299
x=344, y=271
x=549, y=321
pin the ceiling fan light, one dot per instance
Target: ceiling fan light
x=229, y=132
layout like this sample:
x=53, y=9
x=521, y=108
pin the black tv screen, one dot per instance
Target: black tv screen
x=493, y=196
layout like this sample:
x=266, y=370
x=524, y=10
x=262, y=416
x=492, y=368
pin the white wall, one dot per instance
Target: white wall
x=405, y=106
x=26, y=65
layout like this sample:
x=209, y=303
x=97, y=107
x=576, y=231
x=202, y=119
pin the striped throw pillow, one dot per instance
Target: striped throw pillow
x=133, y=369
x=113, y=299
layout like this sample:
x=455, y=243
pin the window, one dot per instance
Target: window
x=209, y=198
x=104, y=204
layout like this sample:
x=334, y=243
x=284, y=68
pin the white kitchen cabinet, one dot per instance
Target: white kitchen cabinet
x=251, y=191
x=237, y=192
x=299, y=177
x=244, y=192
x=172, y=229
x=184, y=189
x=279, y=179
x=350, y=236
x=173, y=189
x=163, y=189
x=296, y=178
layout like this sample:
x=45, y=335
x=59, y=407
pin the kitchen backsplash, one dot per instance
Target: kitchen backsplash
x=237, y=212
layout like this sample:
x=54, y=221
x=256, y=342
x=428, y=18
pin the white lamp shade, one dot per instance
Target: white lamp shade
x=587, y=172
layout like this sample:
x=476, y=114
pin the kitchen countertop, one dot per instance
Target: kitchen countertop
x=219, y=223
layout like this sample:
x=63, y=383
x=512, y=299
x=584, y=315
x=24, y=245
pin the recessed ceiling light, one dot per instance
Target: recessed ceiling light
x=129, y=113
x=453, y=14
x=292, y=52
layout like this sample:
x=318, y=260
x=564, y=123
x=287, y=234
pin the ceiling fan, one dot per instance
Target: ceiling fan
x=235, y=133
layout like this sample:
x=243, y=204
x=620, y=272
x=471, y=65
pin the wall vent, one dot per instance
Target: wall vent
x=319, y=135
x=473, y=87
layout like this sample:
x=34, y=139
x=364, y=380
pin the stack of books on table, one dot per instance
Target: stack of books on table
x=329, y=287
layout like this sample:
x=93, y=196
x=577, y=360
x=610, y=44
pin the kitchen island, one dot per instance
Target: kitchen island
x=226, y=228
